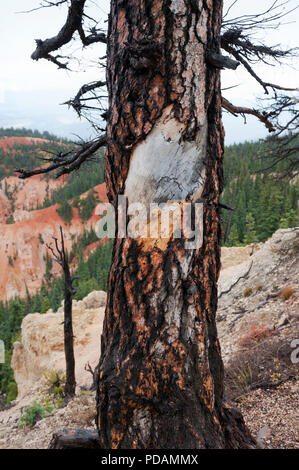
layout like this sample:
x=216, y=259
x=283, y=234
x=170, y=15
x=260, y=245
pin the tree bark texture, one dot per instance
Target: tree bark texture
x=160, y=375
x=75, y=439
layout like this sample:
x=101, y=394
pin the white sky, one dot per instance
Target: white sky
x=31, y=92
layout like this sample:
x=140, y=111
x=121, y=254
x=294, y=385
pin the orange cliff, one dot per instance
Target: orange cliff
x=23, y=243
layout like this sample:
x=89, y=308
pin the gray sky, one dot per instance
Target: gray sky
x=31, y=92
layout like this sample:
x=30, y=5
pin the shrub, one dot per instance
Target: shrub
x=34, y=413
x=286, y=293
x=52, y=388
x=264, y=365
x=65, y=211
x=10, y=220
x=247, y=291
x=12, y=392
x=255, y=334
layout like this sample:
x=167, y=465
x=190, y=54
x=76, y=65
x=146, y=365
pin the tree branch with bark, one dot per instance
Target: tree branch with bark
x=73, y=24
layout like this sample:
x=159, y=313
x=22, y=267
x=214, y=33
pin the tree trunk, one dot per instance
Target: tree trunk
x=70, y=385
x=160, y=374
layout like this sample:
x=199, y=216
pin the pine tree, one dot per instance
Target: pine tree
x=250, y=233
x=233, y=239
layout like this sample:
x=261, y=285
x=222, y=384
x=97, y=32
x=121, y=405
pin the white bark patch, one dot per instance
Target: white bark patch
x=164, y=167
x=142, y=421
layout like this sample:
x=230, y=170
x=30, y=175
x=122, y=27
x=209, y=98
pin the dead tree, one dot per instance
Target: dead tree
x=160, y=375
x=61, y=257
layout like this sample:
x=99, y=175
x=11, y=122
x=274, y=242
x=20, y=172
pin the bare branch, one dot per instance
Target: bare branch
x=281, y=150
x=245, y=51
x=67, y=162
x=95, y=36
x=269, y=18
x=235, y=40
x=45, y=4
x=243, y=110
x=76, y=102
x=73, y=23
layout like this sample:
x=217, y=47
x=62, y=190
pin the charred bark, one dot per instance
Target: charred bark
x=160, y=375
x=75, y=439
x=61, y=257
x=70, y=384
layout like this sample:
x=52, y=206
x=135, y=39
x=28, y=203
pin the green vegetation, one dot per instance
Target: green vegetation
x=86, y=205
x=10, y=220
x=52, y=389
x=263, y=203
x=91, y=174
x=22, y=132
x=26, y=156
x=65, y=211
x=34, y=413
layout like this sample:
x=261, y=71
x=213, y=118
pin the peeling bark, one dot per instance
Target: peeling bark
x=160, y=375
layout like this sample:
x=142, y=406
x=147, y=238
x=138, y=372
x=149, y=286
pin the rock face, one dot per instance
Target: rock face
x=23, y=244
x=42, y=346
x=250, y=292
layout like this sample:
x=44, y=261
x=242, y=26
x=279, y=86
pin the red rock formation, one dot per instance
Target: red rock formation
x=22, y=250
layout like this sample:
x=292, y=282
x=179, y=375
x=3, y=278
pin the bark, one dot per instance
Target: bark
x=160, y=375
x=75, y=439
x=70, y=384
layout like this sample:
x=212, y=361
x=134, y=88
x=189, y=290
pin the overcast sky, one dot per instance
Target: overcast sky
x=31, y=92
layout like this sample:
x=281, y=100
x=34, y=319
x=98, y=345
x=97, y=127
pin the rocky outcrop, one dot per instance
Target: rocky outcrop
x=23, y=245
x=250, y=293
x=42, y=347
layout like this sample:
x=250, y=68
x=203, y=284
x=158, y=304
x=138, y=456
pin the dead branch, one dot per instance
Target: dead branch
x=65, y=163
x=268, y=19
x=235, y=39
x=221, y=62
x=242, y=56
x=282, y=149
x=243, y=110
x=76, y=101
x=75, y=439
x=74, y=22
x=93, y=373
x=61, y=257
x=45, y=4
